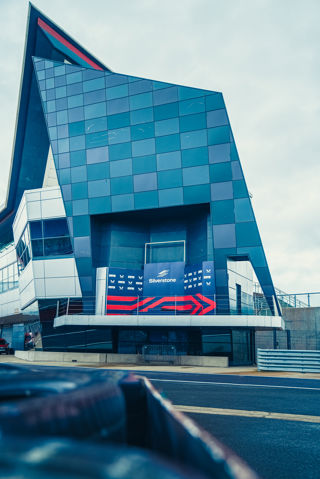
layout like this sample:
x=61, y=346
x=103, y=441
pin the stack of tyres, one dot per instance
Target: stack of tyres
x=64, y=403
x=141, y=435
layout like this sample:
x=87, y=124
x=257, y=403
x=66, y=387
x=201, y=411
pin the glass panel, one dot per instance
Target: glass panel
x=96, y=124
x=171, y=197
x=95, y=111
x=76, y=128
x=95, y=84
x=75, y=114
x=142, y=131
x=195, y=157
x=222, y=212
x=140, y=101
x=165, y=95
x=187, y=92
x=77, y=143
x=144, y=164
x=57, y=227
x=37, y=248
x=78, y=158
x=140, y=87
x=193, y=122
x=97, y=139
x=78, y=173
x=222, y=191
x=145, y=182
x=196, y=175
x=167, y=127
x=118, y=121
x=214, y=102
x=98, y=188
x=36, y=229
x=97, y=155
x=169, y=161
x=243, y=210
x=143, y=147
x=94, y=97
x=167, y=143
x=120, y=135
x=169, y=110
x=117, y=91
x=119, y=105
x=217, y=118
x=74, y=77
x=193, y=139
x=220, y=134
x=74, y=101
x=121, y=168
x=121, y=185
x=141, y=116
x=195, y=105
x=57, y=246
x=169, y=179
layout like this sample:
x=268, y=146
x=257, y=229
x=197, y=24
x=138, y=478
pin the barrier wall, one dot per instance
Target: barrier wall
x=113, y=358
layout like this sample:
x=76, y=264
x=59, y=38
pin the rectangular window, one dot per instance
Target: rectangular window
x=23, y=249
x=48, y=238
x=8, y=277
x=238, y=292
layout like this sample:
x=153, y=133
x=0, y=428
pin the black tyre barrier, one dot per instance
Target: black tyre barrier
x=155, y=424
x=61, y=403
x=136, y=405
x=48, y=459
x=111, y=406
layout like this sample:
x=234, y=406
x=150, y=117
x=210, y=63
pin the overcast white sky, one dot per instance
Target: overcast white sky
x=262, y=54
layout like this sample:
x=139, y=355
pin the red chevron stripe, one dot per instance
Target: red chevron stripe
x=212, y=304
x=125, y=307
x=122, y=298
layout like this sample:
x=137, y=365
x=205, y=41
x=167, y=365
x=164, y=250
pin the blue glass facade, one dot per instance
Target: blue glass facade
x=122, y=143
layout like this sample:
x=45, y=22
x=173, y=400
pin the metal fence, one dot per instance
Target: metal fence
x=288, y=360
x=295, y=339
x=159, y=353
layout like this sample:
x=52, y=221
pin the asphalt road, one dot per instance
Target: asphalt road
x=274, y=448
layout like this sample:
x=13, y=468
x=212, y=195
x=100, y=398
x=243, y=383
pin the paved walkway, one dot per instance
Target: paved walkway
x=235, y=370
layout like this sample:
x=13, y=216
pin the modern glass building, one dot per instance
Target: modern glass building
x=128, y=218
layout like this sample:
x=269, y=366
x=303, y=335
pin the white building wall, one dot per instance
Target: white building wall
x=9, y=300
x=44, y=278
x=40, y=204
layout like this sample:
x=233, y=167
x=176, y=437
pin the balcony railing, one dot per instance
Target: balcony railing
x=193, y=305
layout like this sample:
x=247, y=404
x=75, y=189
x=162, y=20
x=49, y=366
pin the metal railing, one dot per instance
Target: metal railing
x=299, y=300
x=188, y=304
x=288, y=360
x=293, y=300
x=159, y=353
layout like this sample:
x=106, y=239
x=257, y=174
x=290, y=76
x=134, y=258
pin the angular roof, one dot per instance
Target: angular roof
x=31, y=143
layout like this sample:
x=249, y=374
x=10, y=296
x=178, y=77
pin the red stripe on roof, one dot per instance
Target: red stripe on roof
x=67, y=44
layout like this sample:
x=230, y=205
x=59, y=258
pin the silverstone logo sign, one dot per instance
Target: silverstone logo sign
x=163, y=278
